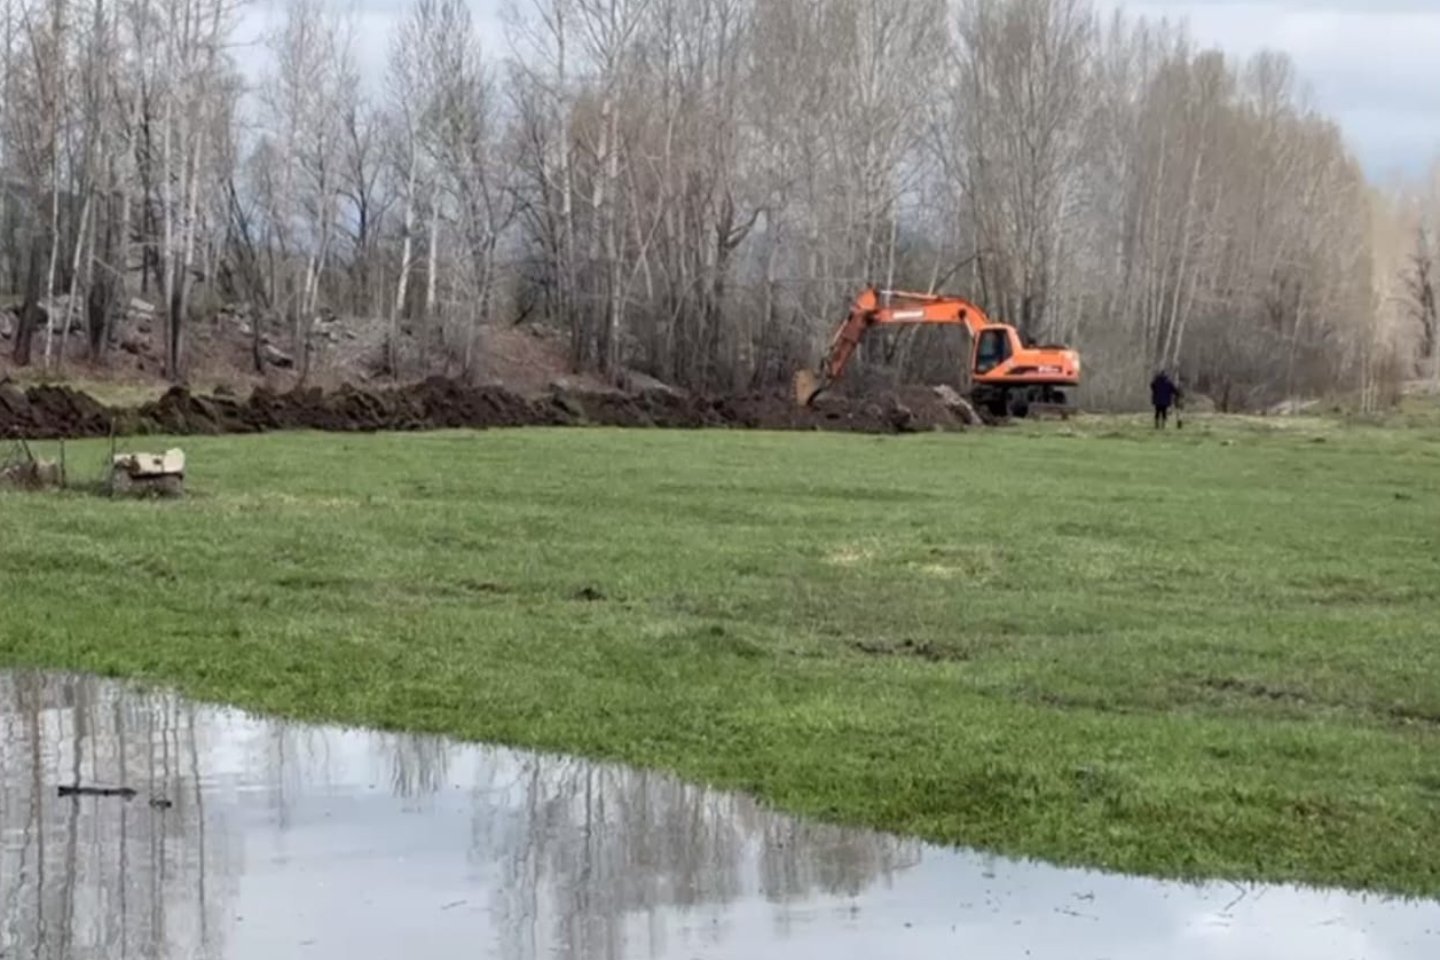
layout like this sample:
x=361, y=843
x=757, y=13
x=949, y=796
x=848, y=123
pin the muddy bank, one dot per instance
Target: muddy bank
x=49, y=412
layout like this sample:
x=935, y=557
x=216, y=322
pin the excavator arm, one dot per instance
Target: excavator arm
x=884, y=308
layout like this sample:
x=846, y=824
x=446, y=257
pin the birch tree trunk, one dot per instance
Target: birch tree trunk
x=406, y=260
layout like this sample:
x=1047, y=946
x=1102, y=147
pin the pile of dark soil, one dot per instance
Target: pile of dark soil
x=50, y=411
x=46, y=412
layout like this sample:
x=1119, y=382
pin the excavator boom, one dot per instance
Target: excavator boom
x=1007, y=375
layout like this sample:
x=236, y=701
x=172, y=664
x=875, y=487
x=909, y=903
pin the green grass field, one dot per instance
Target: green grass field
x=1207, y=654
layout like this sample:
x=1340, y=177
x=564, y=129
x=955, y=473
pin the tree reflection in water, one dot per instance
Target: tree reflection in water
x=103, y=876
x=571, y=857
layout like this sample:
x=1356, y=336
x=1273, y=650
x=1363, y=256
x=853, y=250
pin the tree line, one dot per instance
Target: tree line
x=695, y=188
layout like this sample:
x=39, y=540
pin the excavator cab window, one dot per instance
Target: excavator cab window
x=991, y=350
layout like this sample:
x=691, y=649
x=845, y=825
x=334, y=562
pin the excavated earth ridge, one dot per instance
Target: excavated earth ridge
x=53, y=412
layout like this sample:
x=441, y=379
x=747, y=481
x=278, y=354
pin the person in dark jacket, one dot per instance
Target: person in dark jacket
x=1162, y=397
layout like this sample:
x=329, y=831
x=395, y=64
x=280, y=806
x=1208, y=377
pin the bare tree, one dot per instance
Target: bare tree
x=541, y=75
x=1419, y=270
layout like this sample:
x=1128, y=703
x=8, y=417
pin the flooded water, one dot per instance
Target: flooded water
x=249, y=838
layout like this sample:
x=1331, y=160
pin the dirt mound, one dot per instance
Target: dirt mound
x=49, y=411
x=757, y=411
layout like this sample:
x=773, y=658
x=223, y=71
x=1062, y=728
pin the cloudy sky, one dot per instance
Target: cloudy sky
x=1372, y=64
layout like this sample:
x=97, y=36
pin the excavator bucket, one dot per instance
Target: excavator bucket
x=807, y=387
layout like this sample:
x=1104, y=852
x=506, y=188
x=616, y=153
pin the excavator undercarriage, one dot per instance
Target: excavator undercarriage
x=1036, y=401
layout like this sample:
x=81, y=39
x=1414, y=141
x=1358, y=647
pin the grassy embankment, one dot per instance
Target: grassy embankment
x=1214, y=653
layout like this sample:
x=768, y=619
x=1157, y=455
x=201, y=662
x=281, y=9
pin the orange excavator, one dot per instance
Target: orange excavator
x=1008, y=376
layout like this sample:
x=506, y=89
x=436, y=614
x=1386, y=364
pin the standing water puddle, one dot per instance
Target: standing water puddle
x=253, y=838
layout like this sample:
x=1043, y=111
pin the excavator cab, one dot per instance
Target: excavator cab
x=992, y=348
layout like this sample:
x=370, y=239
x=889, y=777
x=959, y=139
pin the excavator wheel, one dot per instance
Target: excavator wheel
x=1053, y=401
x=994, y=401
